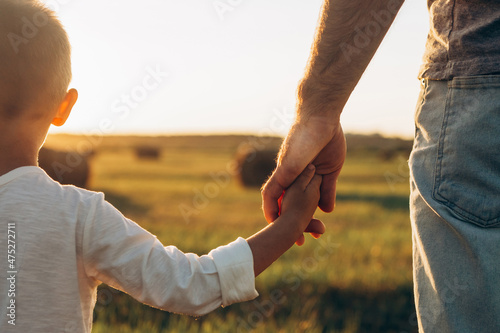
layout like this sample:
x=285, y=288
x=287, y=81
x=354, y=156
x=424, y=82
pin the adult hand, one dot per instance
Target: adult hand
x=314, y=140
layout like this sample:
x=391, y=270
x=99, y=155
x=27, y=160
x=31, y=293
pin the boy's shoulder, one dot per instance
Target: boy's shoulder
x=41, y=206
x=34, y=184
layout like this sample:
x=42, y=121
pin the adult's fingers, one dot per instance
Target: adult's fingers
x=329, y=163
x=316, y=227
x=271, y=192
x=301, y=240
x=328, y=192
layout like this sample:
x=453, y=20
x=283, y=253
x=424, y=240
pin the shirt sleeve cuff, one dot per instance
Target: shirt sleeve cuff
x=234, y=264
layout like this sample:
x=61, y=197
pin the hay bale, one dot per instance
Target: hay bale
x=66, y=167
x=255, y=165
x=147, y=152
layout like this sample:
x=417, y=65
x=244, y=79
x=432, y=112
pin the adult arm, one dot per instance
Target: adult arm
x=349, y=33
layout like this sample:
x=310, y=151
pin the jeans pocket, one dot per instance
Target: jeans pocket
x=467, y=177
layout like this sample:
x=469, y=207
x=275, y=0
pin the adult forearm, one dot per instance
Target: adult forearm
x=349, y=33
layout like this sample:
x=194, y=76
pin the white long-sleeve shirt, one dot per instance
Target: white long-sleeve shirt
x=69, y=240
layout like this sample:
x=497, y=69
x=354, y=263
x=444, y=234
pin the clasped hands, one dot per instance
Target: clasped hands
x=312, y=141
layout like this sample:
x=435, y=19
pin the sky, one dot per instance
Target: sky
x=223, y=66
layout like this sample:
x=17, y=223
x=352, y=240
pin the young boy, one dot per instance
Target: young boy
x=60, y=242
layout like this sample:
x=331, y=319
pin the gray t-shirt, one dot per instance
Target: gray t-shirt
x=464, y=39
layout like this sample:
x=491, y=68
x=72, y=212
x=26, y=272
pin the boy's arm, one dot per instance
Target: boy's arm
x=299, y=203
x=120, y=253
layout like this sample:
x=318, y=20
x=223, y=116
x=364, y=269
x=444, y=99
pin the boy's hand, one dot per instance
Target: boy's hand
x=300, y=201
x=297, y=208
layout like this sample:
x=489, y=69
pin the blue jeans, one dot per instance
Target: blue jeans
x=455, y=205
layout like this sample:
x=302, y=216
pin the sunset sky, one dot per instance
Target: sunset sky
x=203, y=66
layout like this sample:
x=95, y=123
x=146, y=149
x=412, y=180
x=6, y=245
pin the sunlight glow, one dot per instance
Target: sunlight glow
x=170, y=67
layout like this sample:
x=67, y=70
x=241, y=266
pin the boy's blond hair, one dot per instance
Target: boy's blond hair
x=35, y=58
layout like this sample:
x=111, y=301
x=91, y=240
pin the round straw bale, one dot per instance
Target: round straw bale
x=147, y=152
x=255, y=165
x=65, y=167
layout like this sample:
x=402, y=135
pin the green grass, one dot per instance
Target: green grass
x=356, y=278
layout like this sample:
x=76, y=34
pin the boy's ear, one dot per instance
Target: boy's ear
x=64, y=109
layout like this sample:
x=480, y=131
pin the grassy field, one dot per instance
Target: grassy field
x=356, y=278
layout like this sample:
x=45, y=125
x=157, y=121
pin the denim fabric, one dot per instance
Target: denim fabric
x=455, y=205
